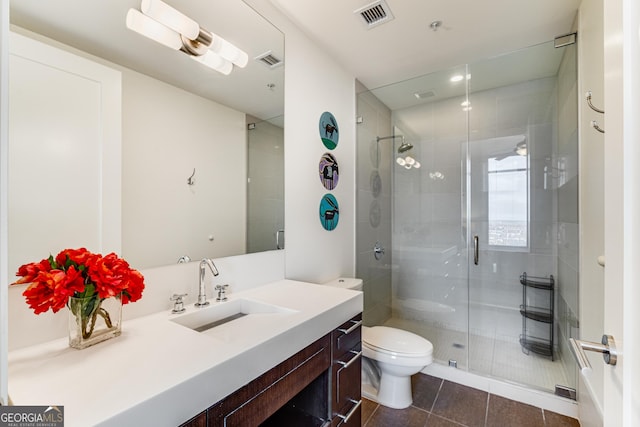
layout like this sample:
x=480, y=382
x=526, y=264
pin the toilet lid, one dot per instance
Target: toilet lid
x=396, y=340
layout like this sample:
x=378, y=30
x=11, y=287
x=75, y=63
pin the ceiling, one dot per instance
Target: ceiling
x=98, y=27
x=402, y=48
x=406, y=46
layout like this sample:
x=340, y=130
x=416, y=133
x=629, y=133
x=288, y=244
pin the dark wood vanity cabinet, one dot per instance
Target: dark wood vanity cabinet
x=345, y=373
x=318, y=386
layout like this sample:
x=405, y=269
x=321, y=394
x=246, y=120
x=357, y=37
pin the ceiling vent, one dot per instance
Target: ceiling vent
x=269, y=60
x=424, y=95
x=375, y=13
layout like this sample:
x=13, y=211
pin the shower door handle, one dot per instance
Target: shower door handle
x=476, y=253
x=607, y=348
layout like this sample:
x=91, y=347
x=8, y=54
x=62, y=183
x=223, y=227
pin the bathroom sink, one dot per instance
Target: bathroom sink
x=221, y=313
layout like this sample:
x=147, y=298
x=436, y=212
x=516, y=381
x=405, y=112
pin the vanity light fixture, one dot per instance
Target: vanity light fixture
x=166, y=25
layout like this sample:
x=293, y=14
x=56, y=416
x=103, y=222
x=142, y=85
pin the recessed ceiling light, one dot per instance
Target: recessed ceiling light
x=459, y=77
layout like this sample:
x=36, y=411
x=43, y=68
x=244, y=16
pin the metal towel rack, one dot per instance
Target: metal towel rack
x=594, y=124
x=607, y=348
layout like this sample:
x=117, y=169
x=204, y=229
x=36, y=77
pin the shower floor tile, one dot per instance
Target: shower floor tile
x=488, y=355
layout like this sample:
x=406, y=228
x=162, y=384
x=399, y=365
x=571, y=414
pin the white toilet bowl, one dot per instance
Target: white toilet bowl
x=395, y=353
x=398, y=354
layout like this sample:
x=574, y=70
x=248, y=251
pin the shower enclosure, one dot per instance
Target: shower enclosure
x=470, y=237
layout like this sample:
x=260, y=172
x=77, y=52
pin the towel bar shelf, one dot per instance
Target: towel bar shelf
x=537, y=312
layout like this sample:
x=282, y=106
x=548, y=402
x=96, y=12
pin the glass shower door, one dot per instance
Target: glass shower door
x=522, y=129
x=429, y=237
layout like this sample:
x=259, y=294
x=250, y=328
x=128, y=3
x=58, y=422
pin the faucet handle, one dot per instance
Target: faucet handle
x=178, y=303
x=222, y=296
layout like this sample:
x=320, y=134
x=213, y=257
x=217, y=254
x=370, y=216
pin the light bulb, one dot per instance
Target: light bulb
x=154, y=30
x=401, y=161
x=215, y=61
x=166, y=15
x=417, y=165
x=228, y=51
x=409, y=160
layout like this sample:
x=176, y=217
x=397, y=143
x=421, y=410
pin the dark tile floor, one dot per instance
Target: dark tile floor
x=441, y=403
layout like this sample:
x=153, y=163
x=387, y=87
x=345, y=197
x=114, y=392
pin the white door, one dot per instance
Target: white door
x=622, y=209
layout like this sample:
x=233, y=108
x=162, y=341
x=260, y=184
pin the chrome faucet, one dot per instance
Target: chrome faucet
x=202, y=294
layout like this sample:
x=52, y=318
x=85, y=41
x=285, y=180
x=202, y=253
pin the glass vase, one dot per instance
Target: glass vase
x=93, y=320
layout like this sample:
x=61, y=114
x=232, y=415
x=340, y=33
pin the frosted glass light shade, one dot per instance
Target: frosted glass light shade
x=228, y=51
x=166, y=15
x=215, y=61
x=154, y=30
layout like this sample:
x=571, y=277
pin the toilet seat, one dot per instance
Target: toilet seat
x=395, y=342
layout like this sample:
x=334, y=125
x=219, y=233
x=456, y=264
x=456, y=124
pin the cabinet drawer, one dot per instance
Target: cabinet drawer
x=348, y=380
x=352, y=418
x=347, y=336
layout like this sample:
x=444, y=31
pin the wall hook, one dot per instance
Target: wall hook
x=190, y=180
x=597, y=110
x=594, y=125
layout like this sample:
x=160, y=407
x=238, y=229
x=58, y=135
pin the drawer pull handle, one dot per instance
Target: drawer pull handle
x=353, y=359
x=345, y=418
x=356, y=323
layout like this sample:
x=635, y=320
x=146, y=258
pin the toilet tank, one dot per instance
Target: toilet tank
x=346, y=283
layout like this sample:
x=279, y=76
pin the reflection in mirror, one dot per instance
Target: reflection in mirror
x=177, y=116
x=265, y=185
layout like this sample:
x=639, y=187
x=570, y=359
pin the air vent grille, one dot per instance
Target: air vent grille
x=375, y=13
x=269, y=60
x=424, y=95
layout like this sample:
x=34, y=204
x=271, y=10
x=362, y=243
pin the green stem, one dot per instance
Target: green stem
x=89, y=323
x=92, y=324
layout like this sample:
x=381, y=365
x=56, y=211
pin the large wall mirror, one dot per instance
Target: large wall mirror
x=201, y=152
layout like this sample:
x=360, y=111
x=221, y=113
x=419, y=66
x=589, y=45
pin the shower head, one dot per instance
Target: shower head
x=404, y=147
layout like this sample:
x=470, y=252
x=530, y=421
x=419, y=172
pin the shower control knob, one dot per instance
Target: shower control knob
x=378, y=251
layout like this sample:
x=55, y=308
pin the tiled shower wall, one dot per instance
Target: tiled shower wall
x=374, y=213
x=495, y=292
x=430, y=247
x=429, y=236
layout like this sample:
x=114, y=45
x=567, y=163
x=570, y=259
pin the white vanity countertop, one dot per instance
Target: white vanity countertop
x=159, y=373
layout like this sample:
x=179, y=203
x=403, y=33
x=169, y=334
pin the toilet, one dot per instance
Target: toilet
x=391, y=357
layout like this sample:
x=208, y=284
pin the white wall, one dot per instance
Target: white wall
x=4, y=163
x=591, y=152
x=167, y=132
x=64, y=138
x=315, y=83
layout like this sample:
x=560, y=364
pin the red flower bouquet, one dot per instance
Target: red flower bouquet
x=82, y=281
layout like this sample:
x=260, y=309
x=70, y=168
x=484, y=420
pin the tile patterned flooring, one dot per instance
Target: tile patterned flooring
x=441, y=403
x=509, y=362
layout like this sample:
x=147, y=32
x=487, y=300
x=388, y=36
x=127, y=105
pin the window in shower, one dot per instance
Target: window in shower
x=508, y=201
